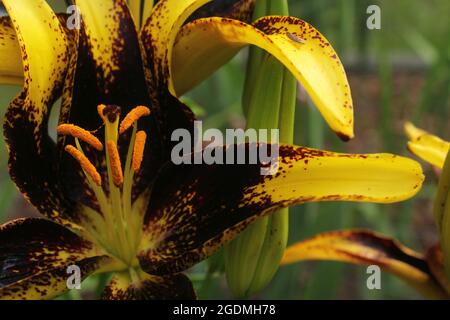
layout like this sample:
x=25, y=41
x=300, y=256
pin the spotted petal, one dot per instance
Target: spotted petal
x=159, y=33
x=35, y=254
x=107, y=68
x=368, y=248
x=173, y=287
x=110, y=70
x=194, y=209
x=31, y=151
x=204, y=44
x=11, y=70
x=161, y=28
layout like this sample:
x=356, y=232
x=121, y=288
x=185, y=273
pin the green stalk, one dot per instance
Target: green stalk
x=287, y=111
x=264, y=109
x=277, y=229
x=269, y=103
x=445, y=236
x=242, y=256
x=442, y=212
x=255, y=57
x=442, y=192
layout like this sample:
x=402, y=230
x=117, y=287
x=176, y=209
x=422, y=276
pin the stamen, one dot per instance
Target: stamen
x=85, y=164
x=133, y=116
x=138, y=152
x=116, y=166
x=80, y=133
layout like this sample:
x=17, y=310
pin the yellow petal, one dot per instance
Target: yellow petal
x=140, y=10
x=11, y=70
x=43, y=49
x=110, y=56
x=427, y=146
x=113, y=42
x=135, y=9
x=101, y=24
x=368, y=248
x=41, y=74
x=412, y=132
x=316, y=175
x=165, y=21
x=148, y=8
x=160, y=31
x=205, y=44
x=196, y=214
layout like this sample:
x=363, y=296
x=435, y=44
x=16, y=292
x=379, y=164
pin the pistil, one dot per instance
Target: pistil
x=111, y=115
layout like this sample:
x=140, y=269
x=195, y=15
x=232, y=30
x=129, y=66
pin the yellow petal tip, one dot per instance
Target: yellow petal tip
x=411, y=131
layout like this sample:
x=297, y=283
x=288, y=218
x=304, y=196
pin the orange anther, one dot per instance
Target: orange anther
x=133, y=116
x=138, y=151
x=80, y=133
x=85, y=164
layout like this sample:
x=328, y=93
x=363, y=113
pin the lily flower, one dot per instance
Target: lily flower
x=112, y=199
x=424, y=272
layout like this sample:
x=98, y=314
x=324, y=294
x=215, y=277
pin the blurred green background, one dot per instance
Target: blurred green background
x=398, y=73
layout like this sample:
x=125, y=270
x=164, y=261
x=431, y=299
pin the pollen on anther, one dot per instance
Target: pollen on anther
x=80, y=133
x=138, y=151
x=133, y=116
x=85, y=164
x=116, y=166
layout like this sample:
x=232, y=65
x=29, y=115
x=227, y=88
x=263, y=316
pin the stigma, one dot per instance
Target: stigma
x=117, y=226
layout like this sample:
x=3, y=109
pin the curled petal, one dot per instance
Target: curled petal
x=31, y=151
x=368, y=248
x=161, y=28
x=159, y=33
x=204, y=44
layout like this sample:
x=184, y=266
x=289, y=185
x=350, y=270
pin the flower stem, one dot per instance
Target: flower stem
x=268, y=103
x=442, y=212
